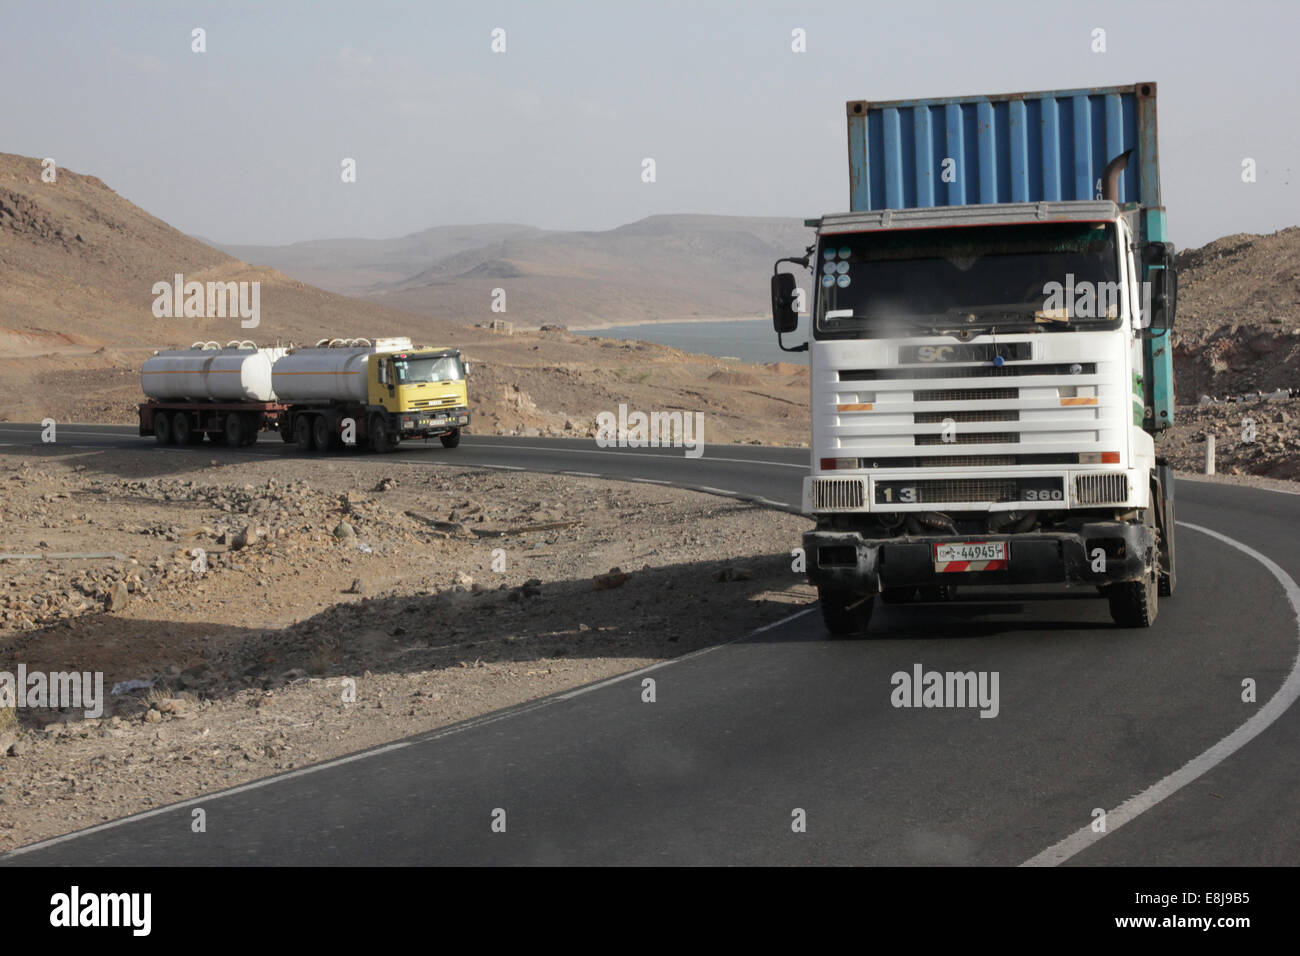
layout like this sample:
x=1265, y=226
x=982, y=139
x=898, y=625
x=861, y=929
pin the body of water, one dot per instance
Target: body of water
x=750, y=340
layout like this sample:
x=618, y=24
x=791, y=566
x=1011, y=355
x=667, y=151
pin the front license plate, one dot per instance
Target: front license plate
x=970, y=556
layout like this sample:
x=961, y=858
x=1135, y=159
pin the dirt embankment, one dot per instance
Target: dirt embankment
x=265, y=615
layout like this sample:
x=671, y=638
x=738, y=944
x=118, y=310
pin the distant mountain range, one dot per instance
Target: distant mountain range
x=661, y=267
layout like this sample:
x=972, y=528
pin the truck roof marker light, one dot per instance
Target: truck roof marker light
x=854, y=407
x=1079, y=401
x=837, y=464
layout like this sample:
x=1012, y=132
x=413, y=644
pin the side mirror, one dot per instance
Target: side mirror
x=383, y=372
x=1164, y=297
x=784, y=317
x=465, y=368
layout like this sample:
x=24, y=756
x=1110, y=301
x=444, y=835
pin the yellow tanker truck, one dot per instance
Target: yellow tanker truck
x=338, y=392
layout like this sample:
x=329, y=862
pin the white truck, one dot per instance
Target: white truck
x=989, y=355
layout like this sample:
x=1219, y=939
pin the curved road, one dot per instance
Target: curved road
x=1149, y=726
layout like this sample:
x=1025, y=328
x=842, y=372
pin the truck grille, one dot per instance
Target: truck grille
x=969, y=438
x=1100, y=489
x=838, y=494
x=944, y=490
x=962, y=371
x=989, y=415
x=966, y=394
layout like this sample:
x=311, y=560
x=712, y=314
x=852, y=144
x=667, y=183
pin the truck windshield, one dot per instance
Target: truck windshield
x=431, y=368
x=1040, y=276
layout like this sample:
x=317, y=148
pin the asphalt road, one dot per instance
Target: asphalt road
x=1147, y=725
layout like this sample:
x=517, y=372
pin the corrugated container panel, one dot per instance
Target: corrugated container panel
x=1018, y=147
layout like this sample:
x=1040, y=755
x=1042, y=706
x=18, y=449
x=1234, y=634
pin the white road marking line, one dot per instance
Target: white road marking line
x=714, y=491
x=581, y=474
x=388, y=748
x=1274, y=708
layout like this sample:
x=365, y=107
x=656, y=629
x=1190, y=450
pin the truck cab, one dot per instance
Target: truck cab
x=422, y=391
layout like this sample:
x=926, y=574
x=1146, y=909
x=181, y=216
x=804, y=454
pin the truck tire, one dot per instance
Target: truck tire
x=285, y=426
x=252, y=425
x=1136, y=603
x=380, y=441
x=235, y=429
x=1168, y=575
x=322, y=435
x=302, y=432
x=162, y=428
x=451, y=439
x=182, y=429
x=844, y=612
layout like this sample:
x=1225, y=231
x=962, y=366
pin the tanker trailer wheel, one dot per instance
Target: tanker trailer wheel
x=844, y=612
x=235, y=430
x=451, y=439
x=321, y=433
x=285, y=426
x=302, y=432
x=182, y=430
x=162, y=428
x=251, y=427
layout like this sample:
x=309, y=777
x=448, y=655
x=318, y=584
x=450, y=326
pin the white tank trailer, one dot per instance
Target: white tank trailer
x=205, y=374
x=328, y=373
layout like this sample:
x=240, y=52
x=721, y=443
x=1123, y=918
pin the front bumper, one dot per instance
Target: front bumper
x=432, y=421
x=849, y=561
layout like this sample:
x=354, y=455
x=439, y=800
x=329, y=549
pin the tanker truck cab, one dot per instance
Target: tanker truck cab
x=988, y=379
x=421, y=393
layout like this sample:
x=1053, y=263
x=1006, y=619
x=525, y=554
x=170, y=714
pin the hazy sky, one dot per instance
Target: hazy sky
x=243, y=143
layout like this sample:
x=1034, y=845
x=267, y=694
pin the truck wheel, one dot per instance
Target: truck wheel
x=182, y=430
x=285, y=426
x=252, y=425
x=897, y=595
x=1134, y=603
x=302, y=432
x=162, y=428
x=451, y=439
x=379, y=440
x=321, y=433
x=234, y=429
x=845, y=612
x=1168, y=576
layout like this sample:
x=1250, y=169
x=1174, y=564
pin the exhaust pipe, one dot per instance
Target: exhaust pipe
x=1110, y=178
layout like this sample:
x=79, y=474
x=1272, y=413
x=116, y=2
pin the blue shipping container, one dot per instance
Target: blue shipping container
x=1018, y=147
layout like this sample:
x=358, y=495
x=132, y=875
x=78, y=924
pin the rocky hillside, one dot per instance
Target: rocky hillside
x=1239, y=316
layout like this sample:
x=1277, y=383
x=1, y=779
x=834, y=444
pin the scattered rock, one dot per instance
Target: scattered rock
x=118, y=596
x=614, y=578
